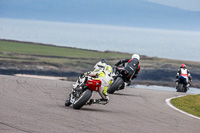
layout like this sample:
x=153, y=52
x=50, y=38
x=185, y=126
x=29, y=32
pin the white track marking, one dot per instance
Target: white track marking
x=41, y=77
x=169, y=104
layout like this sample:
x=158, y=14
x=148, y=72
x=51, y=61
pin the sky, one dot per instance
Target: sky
x=160, y=14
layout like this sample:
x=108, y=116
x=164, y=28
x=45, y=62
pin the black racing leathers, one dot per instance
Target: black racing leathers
x=132, y=67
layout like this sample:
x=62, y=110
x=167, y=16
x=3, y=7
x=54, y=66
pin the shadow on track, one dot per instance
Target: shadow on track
x=88, y=108
x=121, y=94
x=96, y=110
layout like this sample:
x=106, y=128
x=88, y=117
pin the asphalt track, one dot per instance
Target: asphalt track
x=31, y=105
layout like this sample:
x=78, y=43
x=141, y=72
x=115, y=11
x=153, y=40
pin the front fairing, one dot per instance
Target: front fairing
x=76, y=93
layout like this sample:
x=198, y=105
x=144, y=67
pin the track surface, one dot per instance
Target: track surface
x=30, y=105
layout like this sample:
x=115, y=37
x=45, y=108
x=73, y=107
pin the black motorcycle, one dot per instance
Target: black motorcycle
x=120, y=78
x=182, y=84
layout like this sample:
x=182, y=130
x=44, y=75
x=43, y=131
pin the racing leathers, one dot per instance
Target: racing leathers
x=186, y=74
x=106, y=81
x=132, y=67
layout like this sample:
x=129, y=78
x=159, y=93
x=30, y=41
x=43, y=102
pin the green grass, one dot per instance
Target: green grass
x=34, y=56
x=12, y=50
x=19, y=53
x=74, y=58
x=190, y=104
x=28, y=48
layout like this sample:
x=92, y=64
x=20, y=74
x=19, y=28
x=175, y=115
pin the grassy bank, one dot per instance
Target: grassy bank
x=190, y=104
x=71, y=59
x=51, y=50
x=36, y=58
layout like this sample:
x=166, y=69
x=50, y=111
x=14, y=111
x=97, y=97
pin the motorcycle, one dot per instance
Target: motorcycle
x=119, y=79
x=182, y=85
x=82, y=92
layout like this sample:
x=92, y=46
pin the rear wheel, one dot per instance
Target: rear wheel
x=116, y=85
x=180, y=88
x=85, y=96
x=185, y=89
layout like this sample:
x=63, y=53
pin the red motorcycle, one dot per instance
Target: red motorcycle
x=82, y=92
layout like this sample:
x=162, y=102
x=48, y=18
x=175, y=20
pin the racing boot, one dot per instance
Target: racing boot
x=97, y=101
x=101, y=101
x=91, y=101
x=122, y=87
x=128, y=83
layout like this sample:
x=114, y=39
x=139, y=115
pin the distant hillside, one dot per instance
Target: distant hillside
x=49, y=60
x=136, y=13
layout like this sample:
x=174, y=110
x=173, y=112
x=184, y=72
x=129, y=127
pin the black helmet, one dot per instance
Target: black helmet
x=103, y=60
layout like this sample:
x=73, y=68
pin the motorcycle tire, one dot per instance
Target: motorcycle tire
x=185, y=89
x=85, y=96
x=116, y=85
x=67, y=102
x=180, y=88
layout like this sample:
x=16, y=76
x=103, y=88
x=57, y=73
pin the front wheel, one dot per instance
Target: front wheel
x=116, y=85
x=85, y=96
x=67, y=102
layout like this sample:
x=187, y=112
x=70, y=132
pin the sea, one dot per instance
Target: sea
x=164, y=43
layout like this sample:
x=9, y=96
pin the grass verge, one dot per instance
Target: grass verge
x=51, y=50
x=19, y=53
x=189, y=104
x=34, y=57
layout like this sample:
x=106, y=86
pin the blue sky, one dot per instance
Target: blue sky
x=162, y=14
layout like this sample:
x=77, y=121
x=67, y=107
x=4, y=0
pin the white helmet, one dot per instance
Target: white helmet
x=100, y=66
x=136, y=56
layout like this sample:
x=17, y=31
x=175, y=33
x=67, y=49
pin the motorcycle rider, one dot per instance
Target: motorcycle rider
x=102, y=72
x=100, y=65
x=105, y=75
x=133, y=67
x=185, y=73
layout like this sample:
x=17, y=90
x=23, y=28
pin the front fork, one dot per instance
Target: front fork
x=71, y=98
x=76, y=92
